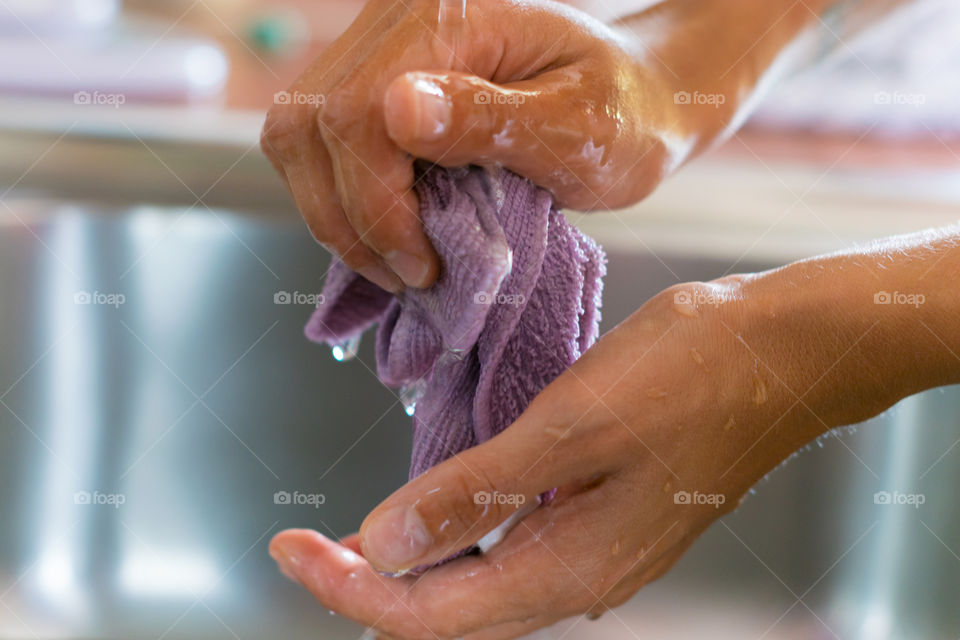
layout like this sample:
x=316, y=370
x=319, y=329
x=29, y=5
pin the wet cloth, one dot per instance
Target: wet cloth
x=516, y=303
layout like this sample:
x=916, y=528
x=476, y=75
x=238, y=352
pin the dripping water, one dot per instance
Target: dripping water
x=410, y=394
x=346, y=350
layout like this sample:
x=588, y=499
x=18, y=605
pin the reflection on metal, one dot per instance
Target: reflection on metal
x=67, y=466
x=146, y=574
x=884, y=579
x=181, y=400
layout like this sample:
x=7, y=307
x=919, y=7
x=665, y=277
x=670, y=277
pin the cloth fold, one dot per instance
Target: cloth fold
x=517, y=302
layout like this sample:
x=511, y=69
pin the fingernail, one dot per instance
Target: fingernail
x=286, y=561
x=396, y=539
x=411, y=269
x=381, y=277
x=432, y=109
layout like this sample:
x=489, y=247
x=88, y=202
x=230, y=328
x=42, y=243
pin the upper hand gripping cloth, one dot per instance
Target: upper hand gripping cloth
x=516, y=303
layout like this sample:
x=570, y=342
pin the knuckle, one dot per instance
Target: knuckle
x=374, y=215
x=689, y=297
x=459, y=505
x=466, y=503
x=355, y=255
x=285, y=128
x=265, y=145
x=340, y=114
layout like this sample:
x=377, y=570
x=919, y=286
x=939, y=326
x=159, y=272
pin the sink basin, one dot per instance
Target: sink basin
x=163, y=416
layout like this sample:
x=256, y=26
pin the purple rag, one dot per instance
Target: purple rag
x=516, y=303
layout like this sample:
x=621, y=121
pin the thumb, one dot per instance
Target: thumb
x=456, y=503
x=453, y=118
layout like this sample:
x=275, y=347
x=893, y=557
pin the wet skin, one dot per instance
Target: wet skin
x=703, y=390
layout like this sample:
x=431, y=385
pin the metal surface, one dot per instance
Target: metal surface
x=143, y=441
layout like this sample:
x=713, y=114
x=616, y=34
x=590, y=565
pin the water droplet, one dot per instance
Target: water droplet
x=615, y=547
x=698, y=358
x=759, y=390
x=641, y=552
x=656, y=392
x=667, y=486
x=560, y=432
x=346, y=350
x=730, y=424
x=685, y=306
x=593, y=615
x=411, y=394
x=457, y=354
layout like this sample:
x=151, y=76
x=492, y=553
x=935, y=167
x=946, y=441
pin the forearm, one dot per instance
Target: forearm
x=720, y=56
x=870, y=326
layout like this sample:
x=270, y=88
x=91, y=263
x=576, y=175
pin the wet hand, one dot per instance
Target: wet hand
x=538, y=87
x=656, y=432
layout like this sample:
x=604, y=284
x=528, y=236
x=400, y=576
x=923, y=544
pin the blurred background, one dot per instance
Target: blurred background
x=161, y=414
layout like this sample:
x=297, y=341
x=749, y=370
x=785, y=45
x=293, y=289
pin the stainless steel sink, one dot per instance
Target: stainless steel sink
x=162, y=416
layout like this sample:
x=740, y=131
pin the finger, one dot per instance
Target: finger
x=374, y=182
x=311, y=184
x=404, y=607
x=457, y=502
x=549, y=565
x=344, y=582
x=374, y=178
x=291, y=142
x=532, y=127
x=351, y=542
x=523, y=579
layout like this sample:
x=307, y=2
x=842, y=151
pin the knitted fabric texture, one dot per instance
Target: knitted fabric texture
x=516, y=303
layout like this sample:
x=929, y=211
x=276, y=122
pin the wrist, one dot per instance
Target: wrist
x=717, y=58
x=851, y=337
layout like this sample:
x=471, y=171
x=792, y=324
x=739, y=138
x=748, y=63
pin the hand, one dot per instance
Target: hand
x=653, y=434
x=537, y=86
x=656, y=432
